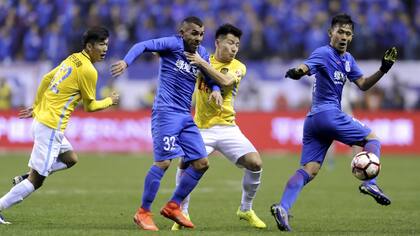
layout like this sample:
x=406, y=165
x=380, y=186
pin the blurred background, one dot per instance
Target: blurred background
x=35, y=35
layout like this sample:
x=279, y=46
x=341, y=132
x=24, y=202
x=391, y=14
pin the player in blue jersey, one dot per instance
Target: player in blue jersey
x=325, y=122
x=173, y=129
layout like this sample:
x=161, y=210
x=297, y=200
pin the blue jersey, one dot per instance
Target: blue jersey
x=177, y=77
x=331, y=72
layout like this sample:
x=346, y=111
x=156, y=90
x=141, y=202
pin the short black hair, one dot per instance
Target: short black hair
x=226, y=29
x=194, y=20
x=94, y=35
x=342, y=19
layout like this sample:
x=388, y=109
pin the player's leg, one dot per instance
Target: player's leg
x=21, y=190
x=370, y=187
x=330, y=156
x=251, y=181
x=179, y=172
x=252, y=178
x=167, y=145
x=193, y=146
x=313, y=154
x=47, y=144
x=352, y=132
x=165, y=131
x=143, y=217
x=66, y=159
x=233, y=144
x=185, y=203
x=210, y=141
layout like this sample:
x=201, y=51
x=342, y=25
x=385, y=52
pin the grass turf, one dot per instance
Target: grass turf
x=101, y=193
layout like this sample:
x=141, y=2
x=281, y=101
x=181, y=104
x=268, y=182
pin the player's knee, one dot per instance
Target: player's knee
x=372, y=136
x=73, y=160
x=255, y=165
x=312, y=169
x=251, y=162
x=36, y=179
x=69, y=158
x=201, y=165
x=164, y=165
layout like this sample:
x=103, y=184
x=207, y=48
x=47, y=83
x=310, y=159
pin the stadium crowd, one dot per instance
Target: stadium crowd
x=31, y=30
x=48, y=30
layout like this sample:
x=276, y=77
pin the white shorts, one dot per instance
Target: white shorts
x=229, y=140
x=48, y=144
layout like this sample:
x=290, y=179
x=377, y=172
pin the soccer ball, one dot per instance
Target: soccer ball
x=365, y=166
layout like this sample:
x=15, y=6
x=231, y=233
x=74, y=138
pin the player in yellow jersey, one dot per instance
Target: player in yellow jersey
x=215, y=117
x=60, y=91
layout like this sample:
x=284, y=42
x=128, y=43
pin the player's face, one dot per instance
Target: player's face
x=97, y=51
x=227, y=47
x=341, y=36
x=192, y=35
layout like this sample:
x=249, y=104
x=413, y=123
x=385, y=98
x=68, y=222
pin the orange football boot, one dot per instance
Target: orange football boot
x=144, y=220
x=172, y=211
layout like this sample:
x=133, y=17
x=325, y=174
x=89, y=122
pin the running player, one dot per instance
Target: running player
x=217, y=124
x=174, y=132
x=58, y=94
x=332, y=66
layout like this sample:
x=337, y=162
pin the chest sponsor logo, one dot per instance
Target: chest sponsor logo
x=184, y=66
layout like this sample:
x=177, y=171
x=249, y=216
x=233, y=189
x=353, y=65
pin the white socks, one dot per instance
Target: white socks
x=16, y=194
x=186, y=202
x=250, y=183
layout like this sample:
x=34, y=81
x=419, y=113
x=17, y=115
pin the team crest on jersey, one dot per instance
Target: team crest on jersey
x=339, y=77
x=224, y=70
x=187, y=67
x=347, y=66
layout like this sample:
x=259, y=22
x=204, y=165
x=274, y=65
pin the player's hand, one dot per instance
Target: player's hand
x=194, y=58
x=25, y=113
x=218, y=98
x=388, y=59
x=118, y=68
x=295, y=73
x=115, y=98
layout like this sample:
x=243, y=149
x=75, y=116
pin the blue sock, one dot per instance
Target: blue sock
x=293, y=188
x=151, y=186
x=373, y=146
x=188, y=182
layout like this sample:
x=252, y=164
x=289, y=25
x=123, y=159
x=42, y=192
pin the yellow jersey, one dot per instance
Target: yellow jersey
x=208, y=114
x=64, y=87
x=5, y=96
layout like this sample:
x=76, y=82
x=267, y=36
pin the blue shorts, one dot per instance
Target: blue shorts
x=174, y=135
x=322, y=128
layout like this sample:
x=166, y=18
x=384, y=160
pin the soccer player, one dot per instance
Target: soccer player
x=174, y=132
x=58, y=94
x=325, y=122
x=217, y=124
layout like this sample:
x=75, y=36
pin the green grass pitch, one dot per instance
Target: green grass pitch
x=101, y=193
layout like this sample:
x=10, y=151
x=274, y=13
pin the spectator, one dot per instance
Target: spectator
x=5, y=94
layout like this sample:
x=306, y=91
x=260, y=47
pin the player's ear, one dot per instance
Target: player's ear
x=181, y=30
x=89, y=46
x=329, y=32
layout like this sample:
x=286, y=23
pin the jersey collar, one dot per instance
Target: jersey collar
x=84, y=53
